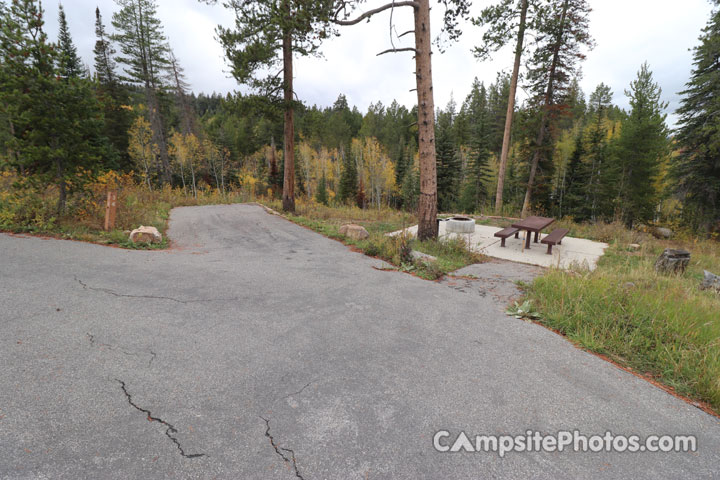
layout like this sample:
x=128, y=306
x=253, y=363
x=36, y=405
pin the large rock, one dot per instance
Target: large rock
x=145, y=235
x=356, y=232
x=422, y=256
x=672, y=261
x=710, y=282
x=661, y=233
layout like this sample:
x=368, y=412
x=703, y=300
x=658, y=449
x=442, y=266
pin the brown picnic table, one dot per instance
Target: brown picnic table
x=533, y=225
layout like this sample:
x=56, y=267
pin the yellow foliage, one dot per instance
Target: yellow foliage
x=374, y=168
x=141, y=148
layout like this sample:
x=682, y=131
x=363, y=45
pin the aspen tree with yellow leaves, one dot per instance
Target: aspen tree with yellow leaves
x=141, y=148
x=186, y=151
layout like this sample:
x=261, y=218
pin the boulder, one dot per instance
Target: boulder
x=145, y=235
x=661, y=233
x=672, y=261
x=356, y=232
x=710, y=282
x=422, y=256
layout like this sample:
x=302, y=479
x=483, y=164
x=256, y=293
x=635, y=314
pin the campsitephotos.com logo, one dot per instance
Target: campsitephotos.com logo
x=574, y=441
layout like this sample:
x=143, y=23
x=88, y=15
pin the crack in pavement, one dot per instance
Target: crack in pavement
x=94, y=342
x=299, y=391
x=289, y=460
x=152, y=297
x=169, y=432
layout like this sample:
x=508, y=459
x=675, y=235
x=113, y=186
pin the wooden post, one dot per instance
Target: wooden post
x=110, y=210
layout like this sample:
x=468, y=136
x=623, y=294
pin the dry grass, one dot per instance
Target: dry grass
x=31, y=209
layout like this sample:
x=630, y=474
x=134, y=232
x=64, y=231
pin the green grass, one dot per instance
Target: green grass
x=451, y=254
x=661, y=326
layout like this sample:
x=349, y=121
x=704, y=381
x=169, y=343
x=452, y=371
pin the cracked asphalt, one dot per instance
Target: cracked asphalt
x=257, y=349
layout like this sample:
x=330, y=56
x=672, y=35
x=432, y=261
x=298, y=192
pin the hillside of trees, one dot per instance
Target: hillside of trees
x=562, y=152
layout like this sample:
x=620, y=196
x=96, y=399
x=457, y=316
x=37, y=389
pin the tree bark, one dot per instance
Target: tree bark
x=156, y=122
x=546, y=106
x=427, y=205
x=157, y=128
x=288, y=200
x=511, y=109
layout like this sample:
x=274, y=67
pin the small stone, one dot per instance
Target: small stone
x=710, y=282
x=422, y=256
x=634, y=246
x=145, y=235
x=356, y=232
x=629, y=285
x=661, y=233
x=672, y=261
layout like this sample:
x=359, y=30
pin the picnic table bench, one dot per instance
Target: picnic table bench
x=507, y=232
x=555, y=238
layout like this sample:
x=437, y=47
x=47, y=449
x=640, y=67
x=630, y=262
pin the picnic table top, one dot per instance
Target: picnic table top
x=534, y=223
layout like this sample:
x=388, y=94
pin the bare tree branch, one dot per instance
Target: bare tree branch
x=370, y=13
x=392, y=10
x=406, y=33
x=395, y=50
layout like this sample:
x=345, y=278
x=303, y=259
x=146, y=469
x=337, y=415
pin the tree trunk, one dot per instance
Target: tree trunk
x=182, y=175
x=192, y=172
x=156, y=125
x=546, y=106
x=427, y=205
x=511, y=109
x=288, y=200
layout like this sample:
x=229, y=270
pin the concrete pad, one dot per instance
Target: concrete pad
x=573, y=253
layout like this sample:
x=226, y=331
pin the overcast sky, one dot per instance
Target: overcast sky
x=627, y=32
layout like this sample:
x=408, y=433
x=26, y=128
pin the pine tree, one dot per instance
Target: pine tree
x=601, y=186
x=267, y=34
x=145, y=57
x=348, y=178
x=410, y=188
x=70, y=65
x=497, y=105
x=322, y=193
x=474, y=190
x=553, y=64
x=506, y=21
x=643, y=144
x=104, y=52
x=697, y=167
x=48, y=148
x=181, y=87
x=113, y=96
x=572, y=198
x=448, y=164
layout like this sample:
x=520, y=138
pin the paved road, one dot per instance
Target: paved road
x=261, y=350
